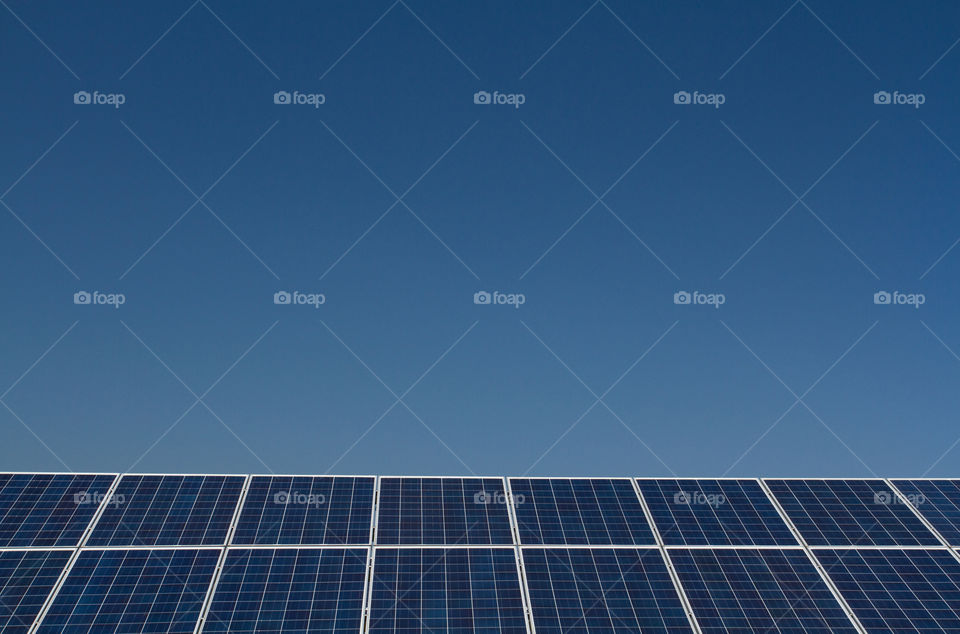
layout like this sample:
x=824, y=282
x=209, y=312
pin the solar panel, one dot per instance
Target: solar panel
x=850, y=513
x=169, y=510
x=894, y=590
x=26, y=578
x=757, y=590
x=132, y=591
x=939, y=503
x=602, y=590
x=306, y=510
x=443, y=511
x=714, y=513
x=446, y=590
x=289, y=590
x=579, y=511
x=38, y=510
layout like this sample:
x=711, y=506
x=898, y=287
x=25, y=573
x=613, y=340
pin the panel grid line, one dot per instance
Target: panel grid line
x=816, y=563
x=205, y=610
x=107, y=499
x=666, y=558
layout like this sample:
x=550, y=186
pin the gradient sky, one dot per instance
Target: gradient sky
x=798, y=199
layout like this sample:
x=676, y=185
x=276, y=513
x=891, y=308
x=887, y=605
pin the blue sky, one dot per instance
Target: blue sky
x=598, y=200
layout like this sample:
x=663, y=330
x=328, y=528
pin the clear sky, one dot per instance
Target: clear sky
x=783, y=197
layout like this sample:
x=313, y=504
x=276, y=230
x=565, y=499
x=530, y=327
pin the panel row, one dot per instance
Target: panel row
x=43, y=510
x=480, y=589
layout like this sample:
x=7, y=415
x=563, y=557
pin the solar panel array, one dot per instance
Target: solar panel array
x=753, y=590
x=602, y=590
x=48, y=509
x=94, y=553
x=446, y=589
x=306, y=510
x=169, y=511
x=443, y=511
x=850, y=513
x=579, y=511
x=289, y=590
x=938, y=501
x=715, y=512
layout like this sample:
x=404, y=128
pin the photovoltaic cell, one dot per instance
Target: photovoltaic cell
x=561, y=511
x=757, y=590
x=38, y=510
x=169, y=510
x=429, y=511
x=159, y=591
x=939, y=503
x=850, y=513
x=896, y=590
x=446, y=590
x=26, y=578
x=289, y=590
x=583, y=590
x=306, y=510
x=714, y=513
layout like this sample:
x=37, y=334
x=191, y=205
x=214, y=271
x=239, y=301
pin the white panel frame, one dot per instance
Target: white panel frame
x=816, y=563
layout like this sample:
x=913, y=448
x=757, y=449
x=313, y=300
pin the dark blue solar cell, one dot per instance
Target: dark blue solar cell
x=939, y=503
x=446, y=590
x=714, y=513
x=306, y=510
x=579, y=511
x=582, y=590
x=26, y=579
x=132, y=591
x=289, y=590
x=757, y=590
x=850, y=513
x=39, y=510
x=429, y=511
x=169, y=510
x=894, y=590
